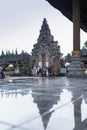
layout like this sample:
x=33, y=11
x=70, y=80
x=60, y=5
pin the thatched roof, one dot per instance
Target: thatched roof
x=65, y=6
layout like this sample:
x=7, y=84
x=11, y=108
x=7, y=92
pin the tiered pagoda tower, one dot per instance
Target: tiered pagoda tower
x=46, y=52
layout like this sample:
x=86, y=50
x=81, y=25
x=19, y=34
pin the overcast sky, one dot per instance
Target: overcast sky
x=21, y=20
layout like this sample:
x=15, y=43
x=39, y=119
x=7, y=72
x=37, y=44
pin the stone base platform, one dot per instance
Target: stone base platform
x=76, y=68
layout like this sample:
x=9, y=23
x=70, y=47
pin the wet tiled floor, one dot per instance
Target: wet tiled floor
x=45, y=103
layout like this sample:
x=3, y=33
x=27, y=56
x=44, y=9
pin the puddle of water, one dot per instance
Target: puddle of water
x=44, y=104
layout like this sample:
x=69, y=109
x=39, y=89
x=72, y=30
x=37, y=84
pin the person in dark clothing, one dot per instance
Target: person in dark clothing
x=2, y=70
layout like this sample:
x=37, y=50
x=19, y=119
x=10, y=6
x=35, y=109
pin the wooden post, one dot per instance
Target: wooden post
x=76, y=28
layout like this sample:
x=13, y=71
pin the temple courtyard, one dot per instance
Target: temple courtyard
x=43, y=103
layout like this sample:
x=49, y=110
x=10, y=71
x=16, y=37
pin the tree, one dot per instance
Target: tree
x=16, y=52
x=68, y=57
x=85, y=44
x=2, y=54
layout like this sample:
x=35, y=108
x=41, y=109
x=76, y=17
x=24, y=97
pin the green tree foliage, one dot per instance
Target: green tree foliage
x=68, y=57
x=16, y=52
x=62, y=62
x=85, y=44
x=23, y=58
x=2, y=54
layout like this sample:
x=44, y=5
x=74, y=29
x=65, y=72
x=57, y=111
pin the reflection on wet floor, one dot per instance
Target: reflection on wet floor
x=43, y=103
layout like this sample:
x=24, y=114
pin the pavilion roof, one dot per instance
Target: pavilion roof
x=65, y=6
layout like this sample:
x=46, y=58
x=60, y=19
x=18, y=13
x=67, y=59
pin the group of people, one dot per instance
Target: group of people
x=38, y=71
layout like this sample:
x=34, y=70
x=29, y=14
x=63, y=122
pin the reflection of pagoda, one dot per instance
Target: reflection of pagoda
x=46, y=52
x=45, y=100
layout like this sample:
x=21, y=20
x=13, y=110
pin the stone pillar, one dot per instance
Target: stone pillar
x=76, y=68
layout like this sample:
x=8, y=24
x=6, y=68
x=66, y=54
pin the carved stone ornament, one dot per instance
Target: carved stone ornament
x=76, y=53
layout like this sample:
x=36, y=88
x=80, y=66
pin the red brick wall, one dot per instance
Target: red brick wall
x=43, y=59
x=55, y=65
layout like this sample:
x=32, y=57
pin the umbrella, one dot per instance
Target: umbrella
x=10, y=65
